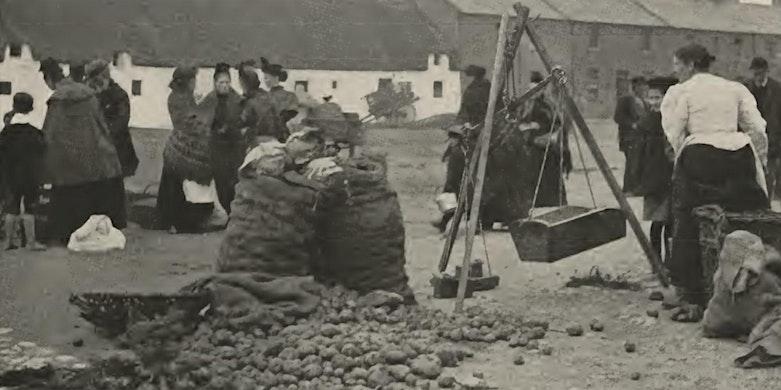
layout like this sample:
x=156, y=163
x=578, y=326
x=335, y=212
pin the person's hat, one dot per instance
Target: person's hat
x=758, y=63
x=662, y=83
x=49, y=65
x=23, y=102
x=185, y=72
x=95, y=67
x=474, y=71
x=273, y=69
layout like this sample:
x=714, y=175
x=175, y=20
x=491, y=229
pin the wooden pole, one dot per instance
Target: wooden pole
x=484, y=142
x=466, y=178
x=588, y=136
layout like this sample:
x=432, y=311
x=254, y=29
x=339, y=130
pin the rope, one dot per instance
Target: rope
x=585, y=169
x=542, y=168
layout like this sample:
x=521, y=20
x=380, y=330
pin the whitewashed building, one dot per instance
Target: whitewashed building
x=342, y=49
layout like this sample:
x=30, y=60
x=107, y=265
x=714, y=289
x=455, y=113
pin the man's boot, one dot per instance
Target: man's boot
x=29, y=232
x=10, y=227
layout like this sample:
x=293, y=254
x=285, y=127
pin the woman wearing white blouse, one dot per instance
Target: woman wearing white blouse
x=719, y=146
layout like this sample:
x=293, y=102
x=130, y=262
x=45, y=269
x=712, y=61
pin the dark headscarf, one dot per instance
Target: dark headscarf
x=51, y=68
x=182, y=76
x=475, y=71
x=222, y=68
x=273, y=69
x=662, y=83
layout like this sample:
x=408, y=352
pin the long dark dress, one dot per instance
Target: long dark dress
x=187, y=156
x=261, y=118
x=81, y=162
x=228, y=146
x=706, y=175
x=116, y=110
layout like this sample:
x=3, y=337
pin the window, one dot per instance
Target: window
x=16, y=50
x=436, y=59
x=304, y=84
x=593, y=39
x=384, y=83
x=136, y=88
x=438, y=89
x=646, y=45
x=5, y=88
x=334, y=84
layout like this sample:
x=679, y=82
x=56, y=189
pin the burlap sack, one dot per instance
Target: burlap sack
x=361, y=232
x=271, y=228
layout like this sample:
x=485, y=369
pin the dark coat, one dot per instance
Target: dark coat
x=260, y=117
x=628, y=113
x=771, y=112
x=21, y=155
x=116, y=110
x=79, y=147
x=474, y=102
x=230, y=131
x=656, y=167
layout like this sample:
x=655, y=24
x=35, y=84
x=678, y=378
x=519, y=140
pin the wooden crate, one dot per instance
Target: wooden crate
x=566, y=231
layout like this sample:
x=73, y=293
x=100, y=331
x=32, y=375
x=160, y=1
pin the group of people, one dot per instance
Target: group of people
x=84, y=150
x=691, y=140
x=529, y=156
x=211, y=137
x=697, y=140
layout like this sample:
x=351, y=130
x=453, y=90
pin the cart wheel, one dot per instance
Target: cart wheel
x=407, y=114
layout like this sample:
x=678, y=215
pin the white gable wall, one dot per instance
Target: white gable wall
x=149, y=110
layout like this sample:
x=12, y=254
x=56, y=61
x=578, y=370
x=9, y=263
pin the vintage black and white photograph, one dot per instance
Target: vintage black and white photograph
x=390, y=194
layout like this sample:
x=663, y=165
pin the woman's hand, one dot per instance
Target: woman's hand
x=526, y=126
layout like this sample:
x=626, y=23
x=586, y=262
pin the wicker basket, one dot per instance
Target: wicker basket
x=715, y=224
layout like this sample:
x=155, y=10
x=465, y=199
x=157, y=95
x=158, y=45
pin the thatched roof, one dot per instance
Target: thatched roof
x=300, y=34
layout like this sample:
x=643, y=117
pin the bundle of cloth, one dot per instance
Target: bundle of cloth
x=746, y=301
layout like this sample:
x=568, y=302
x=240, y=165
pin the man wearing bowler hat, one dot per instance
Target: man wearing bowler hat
x=767, y=93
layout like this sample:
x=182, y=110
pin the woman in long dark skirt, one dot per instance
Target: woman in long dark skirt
x=715, y=163
x=221, y=110
x=187, y=156
x=81, y=162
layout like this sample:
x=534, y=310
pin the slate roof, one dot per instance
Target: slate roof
x=712, y=15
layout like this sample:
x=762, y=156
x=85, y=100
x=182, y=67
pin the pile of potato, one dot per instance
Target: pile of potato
x=350, y=342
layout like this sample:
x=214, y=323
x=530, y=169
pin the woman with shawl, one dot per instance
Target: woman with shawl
x=186, y=158
x=81, y=162
x=221, y=111
x=715, y=162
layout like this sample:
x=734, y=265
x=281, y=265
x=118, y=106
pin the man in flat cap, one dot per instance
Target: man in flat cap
x=767, y=92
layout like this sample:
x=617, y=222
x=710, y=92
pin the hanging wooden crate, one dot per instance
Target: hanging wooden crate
x=566, y=231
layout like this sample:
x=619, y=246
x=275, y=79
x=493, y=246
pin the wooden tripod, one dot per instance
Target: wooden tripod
x=506, y=50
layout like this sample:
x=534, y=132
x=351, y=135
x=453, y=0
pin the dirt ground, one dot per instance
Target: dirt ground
x=35, y=287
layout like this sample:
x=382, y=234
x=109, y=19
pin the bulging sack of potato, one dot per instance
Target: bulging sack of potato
x=740, y=285
x=361, y=232
x=271, y=228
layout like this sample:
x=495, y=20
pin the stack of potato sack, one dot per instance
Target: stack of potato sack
x=299, y=214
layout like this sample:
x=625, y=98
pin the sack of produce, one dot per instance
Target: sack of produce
x=272, y=226
x=361, y=231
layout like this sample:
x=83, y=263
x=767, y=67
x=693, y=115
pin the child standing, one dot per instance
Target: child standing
x=656, y=167
x=21, y=150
